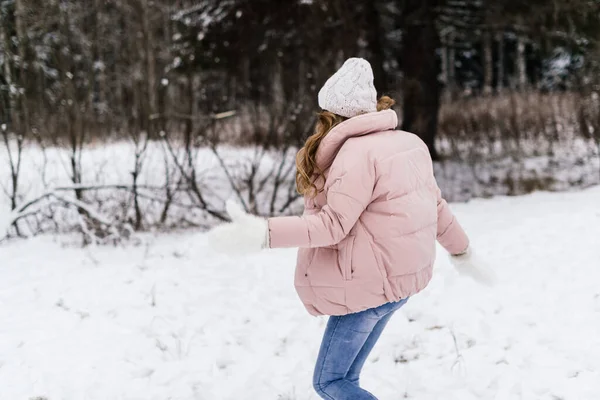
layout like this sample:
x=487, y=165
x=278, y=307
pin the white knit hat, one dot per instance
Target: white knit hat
x=350, y=91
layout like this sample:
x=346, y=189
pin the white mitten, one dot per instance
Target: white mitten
x=469, y=264
x=243, y=235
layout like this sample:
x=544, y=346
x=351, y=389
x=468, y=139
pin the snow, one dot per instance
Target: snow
x=5, y=222
x=576, y=165
x=172, y=319
x=110, y=165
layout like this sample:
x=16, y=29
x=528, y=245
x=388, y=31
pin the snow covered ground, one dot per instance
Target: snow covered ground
x=170, y=319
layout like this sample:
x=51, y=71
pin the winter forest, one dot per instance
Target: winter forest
x=125, y=125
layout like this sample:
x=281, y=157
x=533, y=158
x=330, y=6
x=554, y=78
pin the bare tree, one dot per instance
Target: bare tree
x=488, y=63
x=521, y=64
x=14, y=148
x=500, y=62
x=420, y=86
x=15, y=111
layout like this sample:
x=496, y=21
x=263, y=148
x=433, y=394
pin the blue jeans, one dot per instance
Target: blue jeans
x=347, y=342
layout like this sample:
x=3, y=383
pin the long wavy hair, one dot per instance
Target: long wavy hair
x=307, y=171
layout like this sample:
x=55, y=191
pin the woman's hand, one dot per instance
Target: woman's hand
x=243, y=235
x=469, y=264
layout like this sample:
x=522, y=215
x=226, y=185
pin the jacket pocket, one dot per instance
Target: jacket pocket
x=345, y=250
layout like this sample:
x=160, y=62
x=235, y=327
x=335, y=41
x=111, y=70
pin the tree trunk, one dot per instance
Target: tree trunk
x=374, y=38
x=20, y=13
x=97, y=72
x=444, y=63
x=488, y=63
x=21, y=77
x=521, y=66
x=447, y=60
x=500, y=65
x=151, y=80
x=451, y=62
x=420, y=87
x=15, y=113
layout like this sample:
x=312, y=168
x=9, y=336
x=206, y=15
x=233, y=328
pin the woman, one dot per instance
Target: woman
x=373, y=212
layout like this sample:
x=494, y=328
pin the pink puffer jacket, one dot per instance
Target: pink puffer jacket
x=369, y=237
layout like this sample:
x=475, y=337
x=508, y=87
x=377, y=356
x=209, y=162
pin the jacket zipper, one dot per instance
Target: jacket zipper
x=348, y=259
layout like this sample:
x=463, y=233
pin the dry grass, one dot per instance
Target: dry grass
x=510, y=123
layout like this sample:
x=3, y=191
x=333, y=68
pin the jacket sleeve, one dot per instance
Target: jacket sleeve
x=449, y=232
x=347, y=198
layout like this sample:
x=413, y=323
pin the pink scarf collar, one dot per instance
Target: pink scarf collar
x=356, y=126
